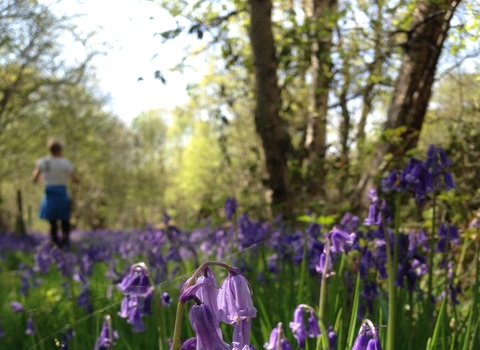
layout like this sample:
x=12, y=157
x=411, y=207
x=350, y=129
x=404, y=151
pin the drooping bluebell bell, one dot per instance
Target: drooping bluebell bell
x=377, y=211
x=137, y=295
x=235, y=302
x=107, y=336
x=206, y=327
x=447, y=234
x=208, y=293
x=30, y=329
x=367, y=338
x=323, y=265
x=299, y=328
x=84, y=299
x=166, y=299
x=313, y=327
x=189, y=344
x=350, y=222
x=235, y=298
x=276, y=338
x=341, y=241
x=17, y=307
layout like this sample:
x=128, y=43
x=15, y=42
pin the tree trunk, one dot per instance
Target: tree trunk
x=321, y=63
x=413, y=87
x=269, y=126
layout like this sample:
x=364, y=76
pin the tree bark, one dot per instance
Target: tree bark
x=413, y=87
x=270, y=126
x=321, y=63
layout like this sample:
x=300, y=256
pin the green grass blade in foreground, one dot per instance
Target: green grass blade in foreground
x=353, y=317
x=433, y=341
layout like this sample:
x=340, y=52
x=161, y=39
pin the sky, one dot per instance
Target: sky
x=128, y=26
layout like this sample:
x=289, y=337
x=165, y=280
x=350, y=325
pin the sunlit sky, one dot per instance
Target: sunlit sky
x=128, y=26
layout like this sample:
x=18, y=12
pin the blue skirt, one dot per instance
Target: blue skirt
x=55, y=204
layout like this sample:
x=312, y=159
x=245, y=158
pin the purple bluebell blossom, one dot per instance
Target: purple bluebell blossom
x=137, y=296
x=235, y=299
x=208, y=293
x=107, y=336
x=17, y=307
x=274, y=340
x=189, y=344
x=84, y=299
x=350, y=222
x=206, y=327
x=447, y=234
x=323, y=266
x=341, y=241
x=367, y=338
x=298, y=327
x=30, y=329
x=313, y=327
x=166, y=299
x=332, y=338
x=377, y=210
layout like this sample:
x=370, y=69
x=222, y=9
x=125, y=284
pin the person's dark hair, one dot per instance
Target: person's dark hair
x=55, y=147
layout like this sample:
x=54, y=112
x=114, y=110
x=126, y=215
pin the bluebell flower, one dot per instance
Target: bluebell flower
x=350, y=222
x=17, y=307
x=30, y=329
x=107, y=336
x=367, y=338
x=189, y=344
x=235, y=299
x=298, y=327
x=377, y=210
x=447, y=234
x=84, y=299
x=166, y=299
x=208, y=293
x=137, y=296
x=206, y=327
x=274, y=340
x=313, y=327
x=341, y=241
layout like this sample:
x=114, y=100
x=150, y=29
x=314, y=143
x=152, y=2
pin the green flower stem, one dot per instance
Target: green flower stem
x=108, y=319
x=323, y=294
x=396, y=230
x=181, y=306
x=391, y=289
x=431, y=242
x=279, y=336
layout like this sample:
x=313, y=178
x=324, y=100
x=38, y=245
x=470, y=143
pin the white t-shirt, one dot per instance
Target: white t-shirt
x=56, y=170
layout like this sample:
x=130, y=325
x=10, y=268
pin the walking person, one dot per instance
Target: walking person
x=55, y=206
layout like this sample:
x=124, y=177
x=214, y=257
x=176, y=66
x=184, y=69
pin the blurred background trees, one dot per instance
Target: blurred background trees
x=304, y=105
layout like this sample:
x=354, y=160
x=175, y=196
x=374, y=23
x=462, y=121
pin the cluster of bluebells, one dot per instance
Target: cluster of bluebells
x=230, y=303
x=422, y=177
x=367, y=338
x=301, y=330
x=107, y=336
x=277, y=338
x=137, y=293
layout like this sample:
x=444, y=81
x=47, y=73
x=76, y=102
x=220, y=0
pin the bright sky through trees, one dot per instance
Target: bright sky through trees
x=132, y=52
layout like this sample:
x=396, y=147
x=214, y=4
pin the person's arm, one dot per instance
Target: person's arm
x=74, y=177
x=37, y=174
